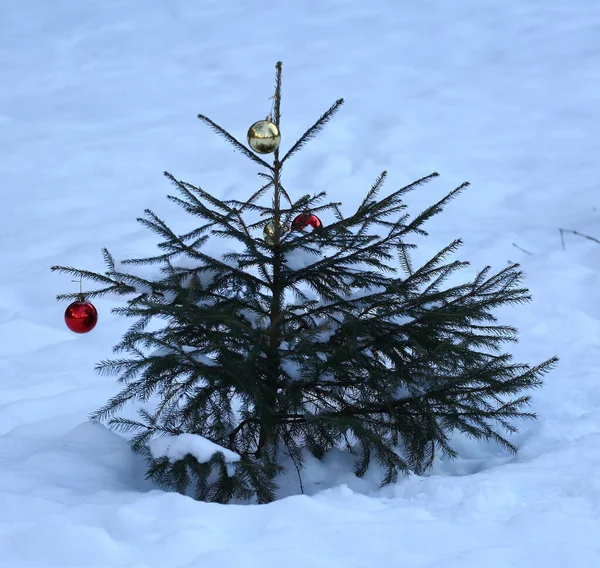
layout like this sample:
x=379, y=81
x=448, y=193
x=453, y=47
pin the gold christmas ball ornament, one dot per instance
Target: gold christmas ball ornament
x=269, y=232
x=264, y=137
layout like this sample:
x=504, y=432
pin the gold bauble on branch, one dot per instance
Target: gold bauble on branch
x=269, y=232
x=264, y=137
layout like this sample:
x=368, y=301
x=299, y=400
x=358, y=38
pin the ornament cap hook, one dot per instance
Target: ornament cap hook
x=81, y=294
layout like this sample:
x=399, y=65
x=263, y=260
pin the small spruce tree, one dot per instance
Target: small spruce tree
x=309, y=340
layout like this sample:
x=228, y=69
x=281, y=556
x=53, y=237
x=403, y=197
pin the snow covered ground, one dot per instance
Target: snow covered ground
x=98, y=98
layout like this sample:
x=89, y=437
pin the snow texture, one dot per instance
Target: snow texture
x=98, y=98
x=177, y=447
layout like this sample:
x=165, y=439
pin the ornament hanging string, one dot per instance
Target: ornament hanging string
x=272, y=111
x=81, y=294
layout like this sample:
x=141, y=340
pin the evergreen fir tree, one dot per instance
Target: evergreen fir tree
x=308, y=340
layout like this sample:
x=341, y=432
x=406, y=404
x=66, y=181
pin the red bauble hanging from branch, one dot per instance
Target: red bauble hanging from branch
x=304, y=220
x=81, y=316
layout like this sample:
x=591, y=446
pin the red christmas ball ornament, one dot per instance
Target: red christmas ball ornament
x=81, y=316
x=304, y=220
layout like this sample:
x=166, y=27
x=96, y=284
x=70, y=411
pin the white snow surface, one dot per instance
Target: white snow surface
x=98, y=98
x=177, y=447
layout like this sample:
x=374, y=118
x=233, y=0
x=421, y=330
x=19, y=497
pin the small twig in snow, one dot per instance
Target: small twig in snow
x=562, y=236
x=521, y=248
